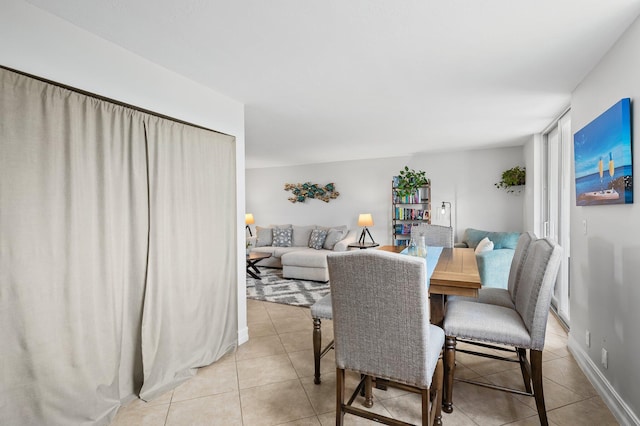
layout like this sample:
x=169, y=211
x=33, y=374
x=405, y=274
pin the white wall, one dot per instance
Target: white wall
x=605, y=278
x=36, y=42
x=465, y=178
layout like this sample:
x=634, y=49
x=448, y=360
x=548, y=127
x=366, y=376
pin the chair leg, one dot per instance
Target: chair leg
x=437, y=382
x=317, y=348
x=426, y=407
x=368, y=392
x=536, y=373
x=339, y=397
x=449, y=367
x=524, y=367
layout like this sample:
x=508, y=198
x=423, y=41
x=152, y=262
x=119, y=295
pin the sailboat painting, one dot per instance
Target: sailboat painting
x=603, y=159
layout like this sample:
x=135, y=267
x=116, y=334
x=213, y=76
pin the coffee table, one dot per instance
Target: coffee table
x=252, y=259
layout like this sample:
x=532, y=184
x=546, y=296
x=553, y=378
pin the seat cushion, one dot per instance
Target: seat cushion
x=322, y=308
x=491, y=296
x=488, y=323
x=435, y=345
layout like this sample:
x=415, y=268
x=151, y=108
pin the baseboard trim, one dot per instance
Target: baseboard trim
x=621, y=411
x=243, y=335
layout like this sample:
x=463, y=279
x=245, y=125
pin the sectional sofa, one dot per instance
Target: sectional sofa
x=493, y=264
x=301, y=251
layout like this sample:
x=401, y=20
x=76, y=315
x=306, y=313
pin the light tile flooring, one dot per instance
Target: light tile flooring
x=269, y=381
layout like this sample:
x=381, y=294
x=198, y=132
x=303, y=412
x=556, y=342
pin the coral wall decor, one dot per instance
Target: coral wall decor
x=302, y=191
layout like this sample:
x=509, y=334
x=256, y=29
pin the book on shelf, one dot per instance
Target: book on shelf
x=401, y=243
x=403, y=213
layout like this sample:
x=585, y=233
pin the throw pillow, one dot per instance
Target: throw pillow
x=264, y=236
x=485, y=244
x=282, y=237
x=333, y=236
x=301, y=235
x=318, y=236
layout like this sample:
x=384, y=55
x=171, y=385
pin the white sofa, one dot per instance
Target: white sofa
x=299, y=261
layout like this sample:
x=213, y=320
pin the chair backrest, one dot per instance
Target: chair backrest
x=434, y=235
x=381, y=315
x=522, y=249
x=533, y=296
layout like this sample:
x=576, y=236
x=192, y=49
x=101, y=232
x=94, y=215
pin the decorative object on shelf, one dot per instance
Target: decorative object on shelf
x=443, y=210
x=409, y=181
x=604, y=158
x=311, y=190
x=364, y=220
x=512, y=179
x=249, y=220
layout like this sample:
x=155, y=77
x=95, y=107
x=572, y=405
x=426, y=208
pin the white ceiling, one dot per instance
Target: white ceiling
x=353, y=79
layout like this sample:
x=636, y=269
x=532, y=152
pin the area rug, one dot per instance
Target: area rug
x=273, y=288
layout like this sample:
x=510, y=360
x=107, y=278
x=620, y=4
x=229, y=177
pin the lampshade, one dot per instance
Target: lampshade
x=365, y=219
x=248, y=219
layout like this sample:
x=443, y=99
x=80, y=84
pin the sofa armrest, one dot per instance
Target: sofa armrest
x=343, y=244
x=494, y=267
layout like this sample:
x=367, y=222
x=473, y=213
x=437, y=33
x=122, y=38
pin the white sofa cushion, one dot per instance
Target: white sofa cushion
x=309, y=258
x=301, y=235
x=484, y=245
x=333, y=236
x=264, y=236
x=281, y=251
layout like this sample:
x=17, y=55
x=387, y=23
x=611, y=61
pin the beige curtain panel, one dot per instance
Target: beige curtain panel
x=117, y=253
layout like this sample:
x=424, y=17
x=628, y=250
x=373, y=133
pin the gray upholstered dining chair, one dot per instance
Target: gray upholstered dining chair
x=382, y=331
x=434, y=235
x=500, y=296
x=522, y=326
x=319, y=311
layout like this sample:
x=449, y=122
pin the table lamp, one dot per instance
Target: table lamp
x=365, y=220
x=249, y=220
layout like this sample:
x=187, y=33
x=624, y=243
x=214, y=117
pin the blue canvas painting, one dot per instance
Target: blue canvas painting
x=603, y=160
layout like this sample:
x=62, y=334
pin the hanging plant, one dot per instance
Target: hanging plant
x=409, y=180
x=512, y=178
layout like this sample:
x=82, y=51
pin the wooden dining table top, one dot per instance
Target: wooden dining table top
x=456, y=272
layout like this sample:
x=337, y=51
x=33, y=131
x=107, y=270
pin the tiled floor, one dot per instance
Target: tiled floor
x=269, y=381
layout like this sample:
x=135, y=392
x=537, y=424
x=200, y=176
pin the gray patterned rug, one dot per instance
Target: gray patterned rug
x=273, y=288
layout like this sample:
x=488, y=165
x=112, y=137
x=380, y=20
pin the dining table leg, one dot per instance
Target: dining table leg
x=437, y=302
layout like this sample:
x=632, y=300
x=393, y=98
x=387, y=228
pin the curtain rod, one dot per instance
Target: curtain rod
x=113, y=101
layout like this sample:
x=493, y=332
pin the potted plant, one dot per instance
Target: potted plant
x=409, y=181
x=512, y=178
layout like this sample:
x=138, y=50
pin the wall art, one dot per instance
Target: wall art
x=302, y=191
x=603, y=159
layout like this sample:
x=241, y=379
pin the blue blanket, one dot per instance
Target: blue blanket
x=433, y=254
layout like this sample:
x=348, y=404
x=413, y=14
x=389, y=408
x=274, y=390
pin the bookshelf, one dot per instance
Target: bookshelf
x=408, y=211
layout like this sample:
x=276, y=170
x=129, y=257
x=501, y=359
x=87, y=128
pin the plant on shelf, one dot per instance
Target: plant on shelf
x=409, y=181
x=512, y=178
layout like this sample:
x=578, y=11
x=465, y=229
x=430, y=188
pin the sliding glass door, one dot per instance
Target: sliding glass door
x=556, y=201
